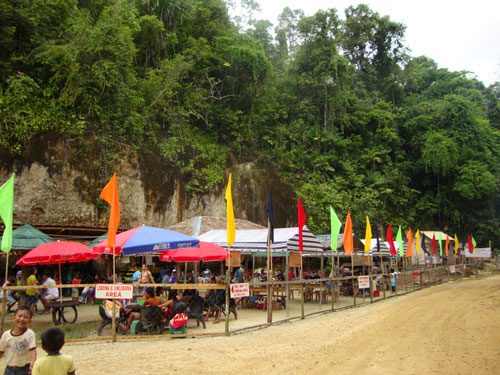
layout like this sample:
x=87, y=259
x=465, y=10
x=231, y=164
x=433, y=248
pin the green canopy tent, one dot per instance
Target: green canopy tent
x=28, y=237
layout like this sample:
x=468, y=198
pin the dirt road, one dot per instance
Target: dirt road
x=452, y=328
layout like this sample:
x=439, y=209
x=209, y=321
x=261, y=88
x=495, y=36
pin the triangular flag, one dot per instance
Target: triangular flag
x=368, y=236
x=417, y=241
x=471, y=245
x=392, y=248
x=348, y=242
x=231, y=226
x=302, y=221
x=7, y=212
x=456, y=244
x=447, y=244
x=335, y=225
x=399, y=240
x=473, y=242
x=270, y=215
x=433, y=244
x=409, y=236
x=440, y=246
x=110, y=195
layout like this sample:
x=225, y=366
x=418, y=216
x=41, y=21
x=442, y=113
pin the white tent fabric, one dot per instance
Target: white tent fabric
x=255, y=240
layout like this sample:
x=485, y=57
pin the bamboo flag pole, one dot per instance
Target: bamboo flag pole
x=113, y=318
x=269, y=276
x=228, y=291
x=4, y=299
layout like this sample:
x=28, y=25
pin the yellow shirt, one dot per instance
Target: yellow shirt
x=54, y=364
x=31, y=291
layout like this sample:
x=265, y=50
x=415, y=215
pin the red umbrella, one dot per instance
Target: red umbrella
x=206, y=251
x=57, y=253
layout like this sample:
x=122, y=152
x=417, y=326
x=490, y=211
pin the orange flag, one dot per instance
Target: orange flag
x=409, y=236
x=348, y=244
x=447, y=243
x=110, y=195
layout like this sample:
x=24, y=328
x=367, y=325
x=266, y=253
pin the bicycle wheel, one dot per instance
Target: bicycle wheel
x=69, y=315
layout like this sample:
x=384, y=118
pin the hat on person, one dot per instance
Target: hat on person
x=174, y=271
x=19, y=274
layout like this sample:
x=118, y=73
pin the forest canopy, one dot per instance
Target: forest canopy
x=334, y=102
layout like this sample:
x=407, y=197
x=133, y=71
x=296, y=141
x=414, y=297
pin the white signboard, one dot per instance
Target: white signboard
x=363, y=282
x=478, y=253
x=114, y=291
x=240, y=290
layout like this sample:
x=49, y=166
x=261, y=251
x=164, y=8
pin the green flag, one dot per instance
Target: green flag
x=440, y=246
x=399, y=240
x=6, y=212
x=335, y=228
x=474, y=243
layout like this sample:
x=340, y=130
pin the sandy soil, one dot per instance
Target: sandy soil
x=451, y=328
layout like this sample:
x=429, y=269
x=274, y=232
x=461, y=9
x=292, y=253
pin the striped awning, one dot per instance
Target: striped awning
x=255, y=240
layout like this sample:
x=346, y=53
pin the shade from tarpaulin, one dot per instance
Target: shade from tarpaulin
x=146, y=240
x=28, y=237
x=208, y=252
x=255, y=240
x=58, y=252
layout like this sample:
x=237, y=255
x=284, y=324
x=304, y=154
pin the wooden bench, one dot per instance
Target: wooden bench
x=58, y=311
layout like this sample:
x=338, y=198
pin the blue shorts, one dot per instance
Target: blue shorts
x=31, y=300
x=25, y=370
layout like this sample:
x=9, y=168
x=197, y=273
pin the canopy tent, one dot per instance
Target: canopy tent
x=28, y=237
x=255, y=240
x=98, y=240
x=146, y=240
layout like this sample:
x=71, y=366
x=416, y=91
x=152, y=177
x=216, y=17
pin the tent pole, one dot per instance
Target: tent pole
x=60, y=278
x=4, y=299
x=321, y=282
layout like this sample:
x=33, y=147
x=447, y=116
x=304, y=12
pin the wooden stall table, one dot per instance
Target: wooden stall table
x=58, y=314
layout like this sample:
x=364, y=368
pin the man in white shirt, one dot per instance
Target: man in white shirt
x=50, y=294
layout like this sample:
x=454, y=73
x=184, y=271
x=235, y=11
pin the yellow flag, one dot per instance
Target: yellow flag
x=418, y=241
x=368, y=236
x=457, y=245
x=231, y=227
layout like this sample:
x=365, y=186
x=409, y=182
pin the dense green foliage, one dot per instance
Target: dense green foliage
x=335, y=103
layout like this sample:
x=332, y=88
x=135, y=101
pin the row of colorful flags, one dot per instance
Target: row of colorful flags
x=110, y=195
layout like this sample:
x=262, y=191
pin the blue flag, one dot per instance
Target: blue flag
x=423, y=243
x=270, y=215
x=377, y=235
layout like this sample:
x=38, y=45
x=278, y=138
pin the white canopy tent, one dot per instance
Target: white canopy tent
x=255, y=240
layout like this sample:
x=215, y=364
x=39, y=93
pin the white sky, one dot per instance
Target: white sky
x=458, y=35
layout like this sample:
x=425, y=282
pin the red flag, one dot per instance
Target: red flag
x=302, y=222
x=348, y=243
x=471, y=245
x=392, y=248
x=447, y=244
x=110, y=195
x=433, y=244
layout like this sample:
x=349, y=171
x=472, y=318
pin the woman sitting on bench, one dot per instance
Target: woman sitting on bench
x=151, y=300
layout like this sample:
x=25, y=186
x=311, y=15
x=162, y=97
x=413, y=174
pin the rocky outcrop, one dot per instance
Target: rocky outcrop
x=50, y=191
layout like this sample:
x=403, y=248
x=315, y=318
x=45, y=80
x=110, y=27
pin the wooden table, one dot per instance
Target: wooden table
x=58, y=311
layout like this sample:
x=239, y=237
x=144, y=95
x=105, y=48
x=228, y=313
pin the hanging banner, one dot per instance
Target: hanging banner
x=114, y=291
x=295, y=259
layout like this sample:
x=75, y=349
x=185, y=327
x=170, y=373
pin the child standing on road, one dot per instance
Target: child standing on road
x=19, y=344
x=54, y=363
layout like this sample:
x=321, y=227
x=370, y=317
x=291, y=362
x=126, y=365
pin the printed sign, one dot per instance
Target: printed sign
x=478, y=253
x=363, y=282
x=114, y=291
x=240, y=290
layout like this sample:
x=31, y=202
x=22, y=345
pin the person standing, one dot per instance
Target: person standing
x=75, y=293
x=146, y=276
x=32, y=290
x=19, y=344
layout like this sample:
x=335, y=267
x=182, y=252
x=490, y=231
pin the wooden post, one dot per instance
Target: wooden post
x=185, y=272
x=338, y=283
x=228, y=291
x=301, y=291
x=321, y=283
x=287, y=278
x=353, y=281
x=4, y=299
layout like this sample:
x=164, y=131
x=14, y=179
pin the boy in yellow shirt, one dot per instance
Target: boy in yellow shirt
x=54, y=363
